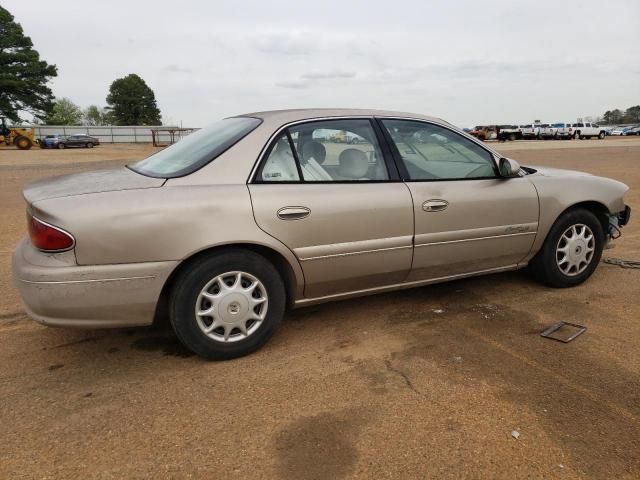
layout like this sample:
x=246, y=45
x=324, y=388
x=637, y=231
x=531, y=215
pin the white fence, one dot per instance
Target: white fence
x=108, y=134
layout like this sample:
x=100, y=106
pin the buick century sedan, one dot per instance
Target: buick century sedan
x=224, y=231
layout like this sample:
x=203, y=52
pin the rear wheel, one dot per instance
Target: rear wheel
x=22, y=142
x=571, y=251
x=61, y=145
x=227, y=305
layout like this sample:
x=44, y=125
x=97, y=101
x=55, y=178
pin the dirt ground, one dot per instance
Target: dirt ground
x=423, y=383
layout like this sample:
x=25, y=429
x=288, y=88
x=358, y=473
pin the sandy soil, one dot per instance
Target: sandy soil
x=424, y=383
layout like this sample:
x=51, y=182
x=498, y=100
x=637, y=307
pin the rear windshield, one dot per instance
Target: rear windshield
x=197, y=149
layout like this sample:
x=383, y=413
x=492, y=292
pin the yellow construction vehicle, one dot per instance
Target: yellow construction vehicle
x=23, y=138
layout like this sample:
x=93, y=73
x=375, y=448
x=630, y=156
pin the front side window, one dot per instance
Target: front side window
x=431, y=152
x=325, y=151
x=197, y=149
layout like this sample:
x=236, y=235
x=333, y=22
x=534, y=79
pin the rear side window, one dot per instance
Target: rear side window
x=325, y=151
x=196, y=150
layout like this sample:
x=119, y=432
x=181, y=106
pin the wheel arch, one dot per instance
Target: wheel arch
x=286, y=271
x=599, y=209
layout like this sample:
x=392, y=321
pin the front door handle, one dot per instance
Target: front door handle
x=293, y=213
x=435, y=205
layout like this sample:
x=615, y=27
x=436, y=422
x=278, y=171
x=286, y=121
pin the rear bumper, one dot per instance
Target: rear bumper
x=98, y=296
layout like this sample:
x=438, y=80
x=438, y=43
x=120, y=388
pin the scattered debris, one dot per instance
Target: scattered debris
x=515, y=434
x=570, y=331
x=622, y=263
x=457, y=359
x=55, y=367
x=438, y=310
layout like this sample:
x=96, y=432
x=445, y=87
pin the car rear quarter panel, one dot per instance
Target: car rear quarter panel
x=559, y=193
x=164, y=224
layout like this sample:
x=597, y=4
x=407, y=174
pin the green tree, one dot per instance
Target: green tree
x=132, y=102
x=94, y=115
x=23, y=76
x=64, y=112
x=632, y=114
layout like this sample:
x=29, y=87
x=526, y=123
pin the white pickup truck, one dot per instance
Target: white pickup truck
x=587, y=130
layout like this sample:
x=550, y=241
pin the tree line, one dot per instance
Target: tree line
x=23, y=89
x=617, y=116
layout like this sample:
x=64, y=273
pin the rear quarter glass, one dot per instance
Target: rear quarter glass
x=196, y=150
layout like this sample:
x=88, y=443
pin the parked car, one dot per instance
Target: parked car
x=509, y=132
x=632, y=131
x=62, y=141
x=226, y=229
x=78, y=140
x=530, y=131
x=485, y=132
x=51, y=141
x=562, y=130
x=587, y=130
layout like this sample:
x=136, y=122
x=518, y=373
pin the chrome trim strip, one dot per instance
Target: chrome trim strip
x=346, y=254
x=64, y=282
x=473, y=239
x=399, y=286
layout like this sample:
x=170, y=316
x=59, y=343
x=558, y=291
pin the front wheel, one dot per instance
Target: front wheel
x=601, y=135
x=61, y=146
x=227, y=305
x=89, y=145
x=577, y=136
x=571, y=251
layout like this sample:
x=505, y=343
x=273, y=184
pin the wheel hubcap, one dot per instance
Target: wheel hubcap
x=575, y=249
x=231, y=306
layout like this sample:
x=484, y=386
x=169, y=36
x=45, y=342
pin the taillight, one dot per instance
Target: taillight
x=47, y=237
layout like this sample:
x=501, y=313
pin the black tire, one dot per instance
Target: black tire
x=61, y=146
x=544, y=267
x=22, y=142
x=193, y=279
x=601, y=135
x=90, y=145
x=577, y=136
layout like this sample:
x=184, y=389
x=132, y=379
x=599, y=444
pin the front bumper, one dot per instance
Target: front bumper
x=57, y=292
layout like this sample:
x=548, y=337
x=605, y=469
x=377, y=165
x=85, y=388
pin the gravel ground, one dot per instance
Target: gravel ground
x=423, y=383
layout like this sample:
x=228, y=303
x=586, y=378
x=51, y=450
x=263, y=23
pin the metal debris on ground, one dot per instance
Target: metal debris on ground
x=622, y=263
x=515, y=434
x=564, y=331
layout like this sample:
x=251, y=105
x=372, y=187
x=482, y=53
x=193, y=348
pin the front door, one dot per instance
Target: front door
x=467, y=219
x=324, y=189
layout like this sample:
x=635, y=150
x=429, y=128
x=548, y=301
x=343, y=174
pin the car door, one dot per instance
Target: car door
x=325, y=190
x=467, y=219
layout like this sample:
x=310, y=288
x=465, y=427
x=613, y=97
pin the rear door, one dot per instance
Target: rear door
x=324, y=189
x=467, y=219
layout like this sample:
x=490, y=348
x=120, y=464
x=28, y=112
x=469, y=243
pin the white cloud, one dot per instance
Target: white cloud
x=469, y=62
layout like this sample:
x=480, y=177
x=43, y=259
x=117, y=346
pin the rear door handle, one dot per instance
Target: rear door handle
x=293, y=213
x=435, y=205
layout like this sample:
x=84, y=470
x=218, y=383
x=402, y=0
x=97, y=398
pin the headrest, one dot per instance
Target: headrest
x=353, y=163
x=315, y=150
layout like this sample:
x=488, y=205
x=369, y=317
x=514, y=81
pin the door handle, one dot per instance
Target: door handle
x=435, y=205
x=293, y=213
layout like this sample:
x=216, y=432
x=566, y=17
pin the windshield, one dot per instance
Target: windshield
x=197, y=149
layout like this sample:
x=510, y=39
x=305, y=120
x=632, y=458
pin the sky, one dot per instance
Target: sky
x=469, y=62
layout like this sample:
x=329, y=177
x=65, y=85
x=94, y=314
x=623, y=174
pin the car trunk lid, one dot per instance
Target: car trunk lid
x=120, y=178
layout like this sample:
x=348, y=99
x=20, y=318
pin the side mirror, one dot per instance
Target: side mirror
x=508, y=168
